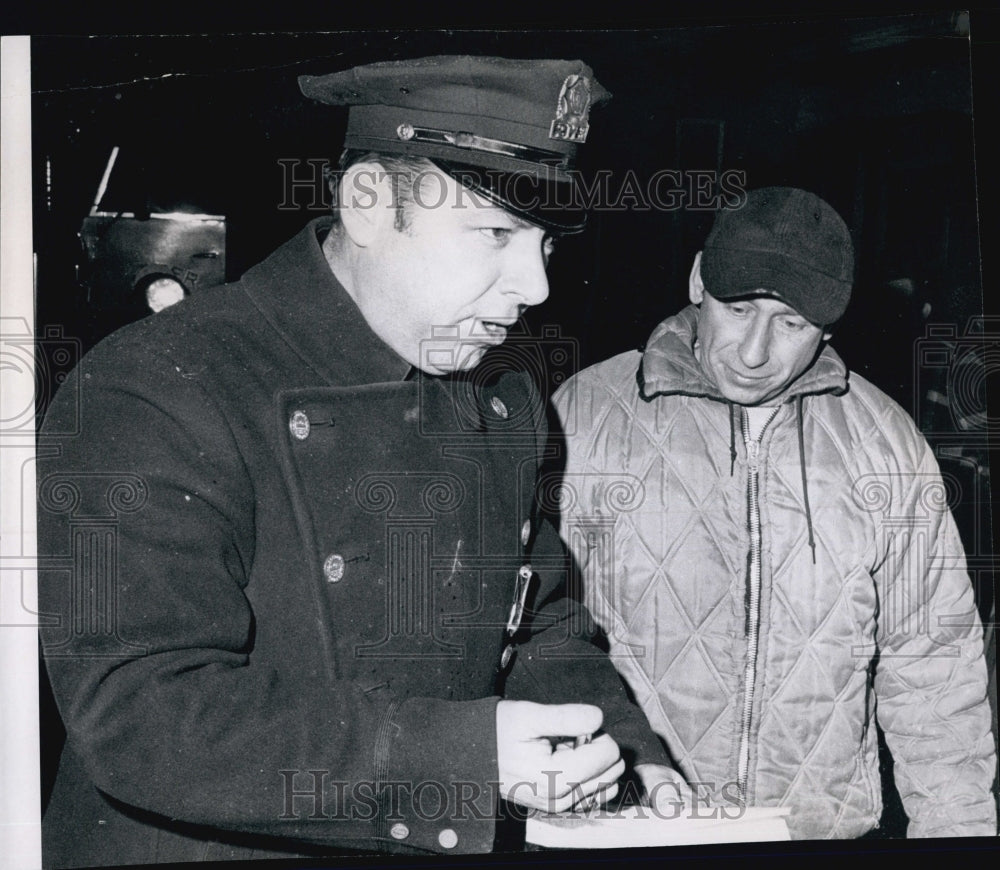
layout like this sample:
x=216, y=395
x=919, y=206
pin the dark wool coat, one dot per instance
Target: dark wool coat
x=278, y=569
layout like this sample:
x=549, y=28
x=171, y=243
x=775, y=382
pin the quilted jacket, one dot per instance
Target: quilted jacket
x=763, y=663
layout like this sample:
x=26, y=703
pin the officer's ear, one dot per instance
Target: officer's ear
x=366, y=202
x=696, y=289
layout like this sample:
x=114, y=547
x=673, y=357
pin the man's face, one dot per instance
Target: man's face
x=753, y=348
x=447, y=287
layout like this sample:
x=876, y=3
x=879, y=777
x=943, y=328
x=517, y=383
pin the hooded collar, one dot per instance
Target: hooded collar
x=669, y=366
x=300, y=297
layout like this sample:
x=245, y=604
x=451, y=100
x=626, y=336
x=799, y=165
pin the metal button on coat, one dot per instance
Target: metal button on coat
x=508, y=651
x=299, y=425
x=399, y=831
x=333, y=567
x=448, y=838
x=499, y=407
x=525, y=533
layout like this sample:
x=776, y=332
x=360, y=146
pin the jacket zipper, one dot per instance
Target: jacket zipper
x=753, y=596
x=869, y=676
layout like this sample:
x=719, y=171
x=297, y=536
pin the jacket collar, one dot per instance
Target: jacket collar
x=669, y=366
x=300, y=297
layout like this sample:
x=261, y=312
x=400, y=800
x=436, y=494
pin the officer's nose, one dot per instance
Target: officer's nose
x=525, y=275
x=755, y=347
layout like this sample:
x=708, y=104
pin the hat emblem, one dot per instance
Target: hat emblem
x=571, y=122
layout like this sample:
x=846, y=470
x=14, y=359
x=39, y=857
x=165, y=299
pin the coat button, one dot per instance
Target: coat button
x=448, y=838
x=399, y=831
x=505, y=656
x=299, y=425
x=498, y=407
x=333, y=567
x=525, y=533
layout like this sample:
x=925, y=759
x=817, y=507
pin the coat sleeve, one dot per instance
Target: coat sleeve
x=930, y=680
x=150, y=644
x=562, y=656
x=562, y=659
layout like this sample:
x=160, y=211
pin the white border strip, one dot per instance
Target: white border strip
x=20, y=790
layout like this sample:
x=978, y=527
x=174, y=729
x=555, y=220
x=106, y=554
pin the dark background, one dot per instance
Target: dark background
x=874, y=113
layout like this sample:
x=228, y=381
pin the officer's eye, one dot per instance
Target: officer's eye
x=737, y=309
x=499, y=235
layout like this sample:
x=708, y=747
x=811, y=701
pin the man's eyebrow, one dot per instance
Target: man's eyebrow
x=763, y=294
x=516, y=220
x=521, y=223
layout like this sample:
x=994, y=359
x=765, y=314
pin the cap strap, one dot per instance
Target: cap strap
x=409, y=133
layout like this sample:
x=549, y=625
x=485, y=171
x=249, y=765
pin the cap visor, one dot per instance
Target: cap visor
x=821, y=299
x=552, y=204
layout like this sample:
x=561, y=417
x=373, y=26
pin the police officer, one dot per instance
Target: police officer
x=308, y=607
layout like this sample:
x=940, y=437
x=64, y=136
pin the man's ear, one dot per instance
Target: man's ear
x=366, y=202
x=696, y=289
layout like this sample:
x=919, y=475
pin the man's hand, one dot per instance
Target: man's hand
x=547, y=759
x=666, y=791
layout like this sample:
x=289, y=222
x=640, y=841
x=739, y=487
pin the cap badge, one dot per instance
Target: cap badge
x=572, y=122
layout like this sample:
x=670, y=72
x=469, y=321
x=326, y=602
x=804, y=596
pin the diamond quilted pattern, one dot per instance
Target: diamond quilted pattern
x=666, y=579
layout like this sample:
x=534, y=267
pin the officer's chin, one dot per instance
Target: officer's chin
x=449, y=358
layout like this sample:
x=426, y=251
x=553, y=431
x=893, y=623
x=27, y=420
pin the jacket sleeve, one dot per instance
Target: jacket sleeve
x=930, y=680
x=562, y=656
x=150, y=644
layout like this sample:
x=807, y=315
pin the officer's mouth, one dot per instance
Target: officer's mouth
x=495, y=329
